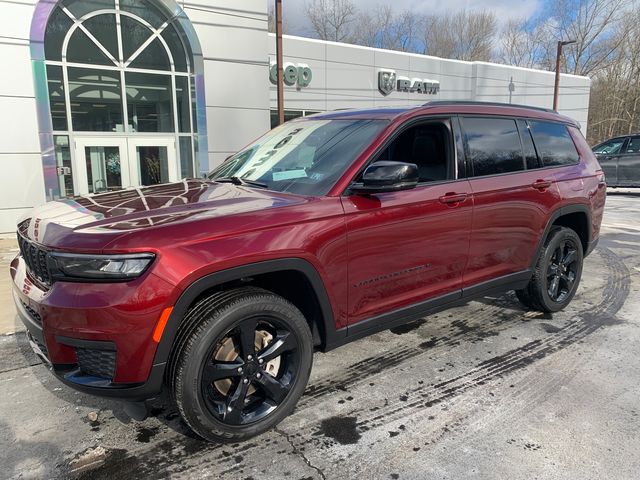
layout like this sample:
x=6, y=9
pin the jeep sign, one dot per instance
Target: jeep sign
x=299, y=75
x=388, y=81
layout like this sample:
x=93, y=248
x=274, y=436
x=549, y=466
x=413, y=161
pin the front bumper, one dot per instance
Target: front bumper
x=95, y=338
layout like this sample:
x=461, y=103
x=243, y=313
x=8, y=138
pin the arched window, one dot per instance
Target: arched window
x=119, y=68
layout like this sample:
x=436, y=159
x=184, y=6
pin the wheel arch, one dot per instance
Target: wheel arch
x=575, y=216
x=262, y=274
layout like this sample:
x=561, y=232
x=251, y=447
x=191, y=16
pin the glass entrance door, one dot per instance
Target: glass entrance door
x=101, y=165
x=152, y=160
x=109, y=164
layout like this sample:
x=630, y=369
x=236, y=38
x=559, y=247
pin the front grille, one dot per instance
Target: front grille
x=35, y=316
x=97, y=363
x=35, y=259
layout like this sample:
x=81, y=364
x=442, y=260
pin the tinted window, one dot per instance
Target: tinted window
x=634, y=145
x=425, y=145
x=494, y=145
x=553, y=143
x=612, y=147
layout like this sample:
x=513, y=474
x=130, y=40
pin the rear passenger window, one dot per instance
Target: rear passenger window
x=634, y=145
x=494, y=145
x=554, y=144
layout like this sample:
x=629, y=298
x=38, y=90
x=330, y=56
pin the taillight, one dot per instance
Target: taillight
x=602, y=181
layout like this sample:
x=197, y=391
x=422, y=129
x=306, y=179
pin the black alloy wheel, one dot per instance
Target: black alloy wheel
x=562, y=270
x=557, y=273
x=250, y=370
x=240, y=363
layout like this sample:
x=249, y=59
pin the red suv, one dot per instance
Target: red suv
x=327, y=229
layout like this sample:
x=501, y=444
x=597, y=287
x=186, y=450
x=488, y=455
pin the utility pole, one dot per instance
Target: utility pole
x=556, y=86
x=280, y=77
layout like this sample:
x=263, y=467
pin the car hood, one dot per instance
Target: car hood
x=91, y=222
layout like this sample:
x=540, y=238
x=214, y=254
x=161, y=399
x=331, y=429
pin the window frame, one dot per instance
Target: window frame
x=519, y=123
x=452, y=150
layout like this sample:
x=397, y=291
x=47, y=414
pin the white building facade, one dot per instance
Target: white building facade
x=101, y=95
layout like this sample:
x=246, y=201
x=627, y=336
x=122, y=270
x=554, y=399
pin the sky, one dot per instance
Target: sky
x=293, y=10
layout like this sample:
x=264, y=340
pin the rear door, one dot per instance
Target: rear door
x=629, y=164
x=512, y=198
x=608, y=154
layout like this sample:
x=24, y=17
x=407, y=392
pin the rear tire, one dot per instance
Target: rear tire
x=242, y=365
x=557, y=273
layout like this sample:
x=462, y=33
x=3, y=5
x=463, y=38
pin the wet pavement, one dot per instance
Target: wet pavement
x=486, y=390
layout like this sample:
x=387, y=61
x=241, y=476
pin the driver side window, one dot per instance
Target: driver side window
x=429, y=146
x=612, y=147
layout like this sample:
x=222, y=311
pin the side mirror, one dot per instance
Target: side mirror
x=386, y=176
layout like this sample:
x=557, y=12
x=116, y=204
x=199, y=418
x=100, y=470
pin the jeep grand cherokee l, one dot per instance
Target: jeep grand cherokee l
x=326, y=229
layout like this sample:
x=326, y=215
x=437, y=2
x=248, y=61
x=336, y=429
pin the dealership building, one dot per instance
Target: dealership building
x=101, y=95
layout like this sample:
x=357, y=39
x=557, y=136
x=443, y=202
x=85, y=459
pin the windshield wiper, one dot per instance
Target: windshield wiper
x=240, y=181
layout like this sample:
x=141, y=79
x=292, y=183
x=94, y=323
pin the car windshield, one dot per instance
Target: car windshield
x=305, y=157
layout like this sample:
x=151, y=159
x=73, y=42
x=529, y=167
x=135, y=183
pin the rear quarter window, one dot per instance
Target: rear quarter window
x=554, y=144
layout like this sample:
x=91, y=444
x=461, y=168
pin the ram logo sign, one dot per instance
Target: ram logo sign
x=388, y=81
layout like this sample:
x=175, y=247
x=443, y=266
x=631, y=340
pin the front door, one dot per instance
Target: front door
x=608, y=154
x=409, y=247
x=105, y=164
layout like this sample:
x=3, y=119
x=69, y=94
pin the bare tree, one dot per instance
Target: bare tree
x=476, y=34
x=614, y=107
x=366, y=30
x=438, y=39
x=385, y=19
x=589, y=22
x=331, y=19
x=271, y=20
x=522, y=43
x=404, y=28
x=464, y=35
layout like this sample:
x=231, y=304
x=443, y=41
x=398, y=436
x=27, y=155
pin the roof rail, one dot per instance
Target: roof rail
x=437, y=103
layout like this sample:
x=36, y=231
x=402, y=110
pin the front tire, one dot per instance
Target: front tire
x=243, y=366
x=557, y=273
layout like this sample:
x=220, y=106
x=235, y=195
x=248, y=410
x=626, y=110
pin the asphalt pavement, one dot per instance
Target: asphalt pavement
x=486, y=390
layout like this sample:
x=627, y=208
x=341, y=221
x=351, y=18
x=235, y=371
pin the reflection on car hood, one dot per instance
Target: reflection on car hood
x=115, y=213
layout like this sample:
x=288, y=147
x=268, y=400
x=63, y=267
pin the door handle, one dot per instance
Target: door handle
x=541, y=184
x=451, y=198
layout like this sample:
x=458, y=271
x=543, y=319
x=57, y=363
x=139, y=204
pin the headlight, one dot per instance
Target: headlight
x=70, y=266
